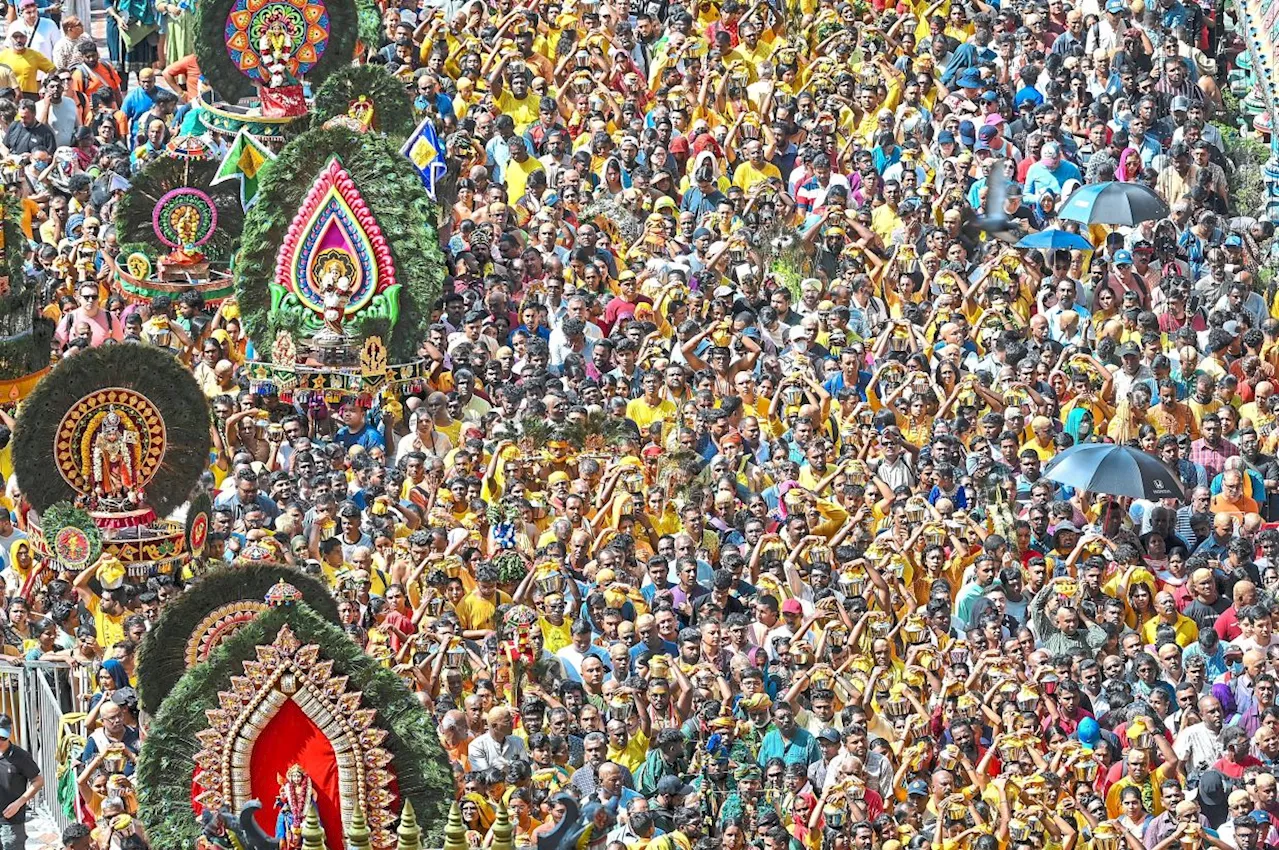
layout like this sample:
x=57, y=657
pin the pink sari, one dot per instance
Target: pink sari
x=1121, y=173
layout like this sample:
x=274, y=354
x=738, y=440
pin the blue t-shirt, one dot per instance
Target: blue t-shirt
x=367, y=437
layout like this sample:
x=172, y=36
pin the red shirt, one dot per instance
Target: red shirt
x=1235, y=769
x=1227, y=625
x=618, y=310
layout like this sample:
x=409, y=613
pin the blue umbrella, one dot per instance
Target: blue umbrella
x=1114, y=203
x=1054, y=240
x=1117, y=470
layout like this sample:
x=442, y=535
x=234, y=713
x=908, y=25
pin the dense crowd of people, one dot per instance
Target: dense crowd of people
x=737, y=422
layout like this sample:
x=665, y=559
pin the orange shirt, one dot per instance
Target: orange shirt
x=1178, y=420
x=459, y=754
x=186, y=68
x=1219, y=505
x=86, y=81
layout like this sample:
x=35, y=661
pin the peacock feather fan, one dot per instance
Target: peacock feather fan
x=162, y=175
x=162, y=658
x=604, y=432
x=167, y=763
x=393, y=191
x=571, y=432
x=392, y=106
x=149, y=372
x=535, y=431
x=350, y=22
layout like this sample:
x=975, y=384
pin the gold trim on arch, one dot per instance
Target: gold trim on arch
x=287, y=670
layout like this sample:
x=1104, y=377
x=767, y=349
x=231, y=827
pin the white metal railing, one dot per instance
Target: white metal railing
x=37, y=695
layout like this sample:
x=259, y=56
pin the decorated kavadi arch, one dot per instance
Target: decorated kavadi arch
x=288, y=710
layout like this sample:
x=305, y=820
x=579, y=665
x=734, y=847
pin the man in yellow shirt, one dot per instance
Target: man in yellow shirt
x=518, y=168
x=885, y=219
x=754, y=169
x=518, y=102
x=752, y=48
x=476, y=610
x=1184, y=627
x=25, y=63
x=1042, y=440
x=104, y=603
x=626, y=748
x=650, y=407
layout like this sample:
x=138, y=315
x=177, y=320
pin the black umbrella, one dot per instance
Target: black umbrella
x=1113, y=203
x=1117, y=470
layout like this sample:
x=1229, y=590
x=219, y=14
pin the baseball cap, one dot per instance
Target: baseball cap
x=1066, y=526
x=946, y=137
x=917, y=788
x=1087, y=733
x=987, y=133
x=829, y=734
x=1128, y=349
x=673, y=787
x=967, y=135
x=1123, y=258
x=990, y=96
x=1116, y=7
x=792, y=606
x=1234, y=241
x=970, y=79
x=1179, y=104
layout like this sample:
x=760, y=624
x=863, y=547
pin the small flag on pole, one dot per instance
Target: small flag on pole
x=244, y=162
x=425, y=151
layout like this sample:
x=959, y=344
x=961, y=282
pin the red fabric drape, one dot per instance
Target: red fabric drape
x=291, y=737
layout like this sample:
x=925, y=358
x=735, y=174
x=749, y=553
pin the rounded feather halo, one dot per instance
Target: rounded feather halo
x=154, y=375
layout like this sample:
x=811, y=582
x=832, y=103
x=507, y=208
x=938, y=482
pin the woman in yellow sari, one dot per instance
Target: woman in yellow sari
x=30, y=573
x=520, y=803
x=477, y=816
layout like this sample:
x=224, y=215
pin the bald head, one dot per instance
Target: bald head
x=453, y=727
x=499, y=720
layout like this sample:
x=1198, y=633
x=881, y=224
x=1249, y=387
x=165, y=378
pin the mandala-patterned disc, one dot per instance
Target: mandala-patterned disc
x=301, y=27
x=72, y=547
x=184, y=218
x=82, y=433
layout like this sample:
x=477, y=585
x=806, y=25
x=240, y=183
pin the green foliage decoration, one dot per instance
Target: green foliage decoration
x=166, y=764
x=405, y=214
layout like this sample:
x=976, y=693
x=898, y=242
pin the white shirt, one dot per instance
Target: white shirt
x=571, y=660
x=1198, y=746
x=484, y=752
x=441, y=444
x=42, y=38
